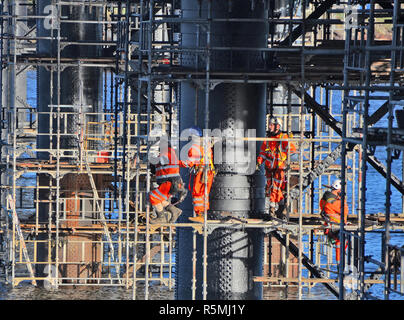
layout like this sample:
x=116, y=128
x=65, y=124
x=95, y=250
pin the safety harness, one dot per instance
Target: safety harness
x=278, y=151
x=195, y=169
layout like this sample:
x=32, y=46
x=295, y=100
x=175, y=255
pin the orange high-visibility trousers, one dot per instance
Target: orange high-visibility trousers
x=162, y=193
x=198, y=191
x=334, y=237
x=338, y=250
x=275, y=184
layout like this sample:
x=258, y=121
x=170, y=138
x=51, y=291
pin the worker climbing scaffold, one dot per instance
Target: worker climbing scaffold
x=196, y=160
x=274, y=154
x=330, y=205
x=167, y=173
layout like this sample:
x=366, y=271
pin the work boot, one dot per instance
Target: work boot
x=281, y=211
x=267, y=202
x=175, y=212
x=199, y=218
x=162, y=217
x=273, y=207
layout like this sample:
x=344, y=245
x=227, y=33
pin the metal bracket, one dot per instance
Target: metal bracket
x=210, y=229
x=52, y=174
x=212, y=85
x=396, y=154
x=53, y=153
x=202, y=86
x=19, y=151
x=372, y=150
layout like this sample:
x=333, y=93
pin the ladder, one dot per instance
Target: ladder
x=103, y=220
x=16, y=222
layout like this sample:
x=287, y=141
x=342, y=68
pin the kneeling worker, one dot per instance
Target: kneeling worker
x=170, y=183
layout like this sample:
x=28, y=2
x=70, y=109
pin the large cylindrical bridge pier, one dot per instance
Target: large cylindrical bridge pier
x=233, y=256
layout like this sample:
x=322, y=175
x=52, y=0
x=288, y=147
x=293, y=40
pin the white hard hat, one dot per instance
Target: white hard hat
x=336, y=184
x=275, y=121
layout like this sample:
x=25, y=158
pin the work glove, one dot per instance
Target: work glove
x=257, y=167
x=182, y=197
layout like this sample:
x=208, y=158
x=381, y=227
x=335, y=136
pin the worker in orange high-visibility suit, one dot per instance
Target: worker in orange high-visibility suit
x=170, y=183
x=274, y=154
x=330, y=205
x=196, y=160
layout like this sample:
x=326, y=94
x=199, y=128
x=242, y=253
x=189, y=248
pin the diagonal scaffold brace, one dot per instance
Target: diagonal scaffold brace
x=293, y=249
x=103, y=220
x=16, y=221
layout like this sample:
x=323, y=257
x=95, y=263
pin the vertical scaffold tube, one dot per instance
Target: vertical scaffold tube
x=78, y=89
x=234, y=256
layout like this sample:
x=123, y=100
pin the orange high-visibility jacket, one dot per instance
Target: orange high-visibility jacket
x=168, y=167
x=330, y=203
x=275, y=153
x=162, y=193
x=197, y=157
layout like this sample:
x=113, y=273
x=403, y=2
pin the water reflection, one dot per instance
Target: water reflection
x=25, y=291
x=318, y=292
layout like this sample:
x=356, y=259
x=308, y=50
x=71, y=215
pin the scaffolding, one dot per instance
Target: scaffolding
x=329, y=60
